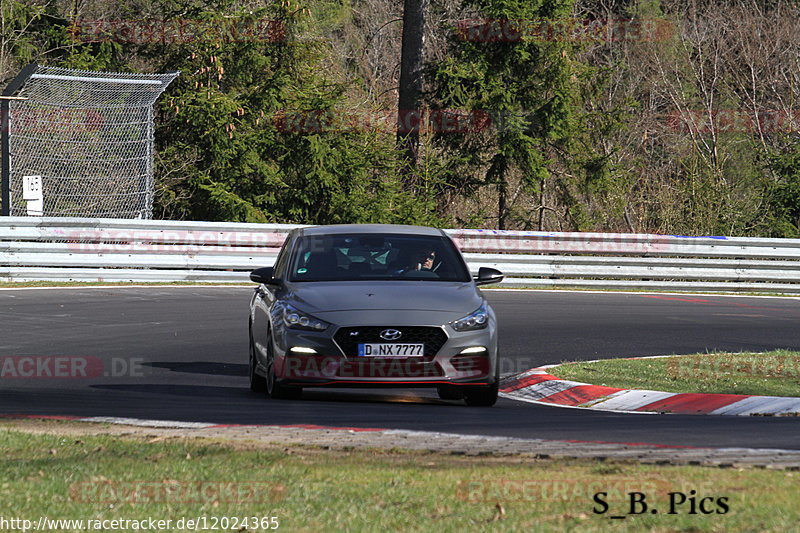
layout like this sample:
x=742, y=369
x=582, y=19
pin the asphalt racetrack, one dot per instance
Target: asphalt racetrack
x=180, y=353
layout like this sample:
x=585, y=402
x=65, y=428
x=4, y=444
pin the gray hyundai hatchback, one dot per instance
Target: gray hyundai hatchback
x=373, y=305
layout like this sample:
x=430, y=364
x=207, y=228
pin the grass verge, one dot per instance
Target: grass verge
x=775, y=373
x=310, y=489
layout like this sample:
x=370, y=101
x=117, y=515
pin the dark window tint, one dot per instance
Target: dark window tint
x=283, y=255
x=376, y=256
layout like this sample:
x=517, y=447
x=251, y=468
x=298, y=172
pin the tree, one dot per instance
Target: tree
x=410, y=89
x=783, y=205
x=268, y=137
x=524, y=84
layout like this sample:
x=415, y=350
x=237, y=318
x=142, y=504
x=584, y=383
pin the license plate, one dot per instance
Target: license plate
x=390, y=349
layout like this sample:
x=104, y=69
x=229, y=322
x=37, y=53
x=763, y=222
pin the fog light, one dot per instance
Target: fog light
x=473, y=349
x=302, y=349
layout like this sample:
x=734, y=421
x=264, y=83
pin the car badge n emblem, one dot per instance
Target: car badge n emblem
x=353, y=333
x=391, y=334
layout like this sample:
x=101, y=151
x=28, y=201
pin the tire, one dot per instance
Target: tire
x=272, y=385
x=449, y=392
x=258, y=383
x=485, y=396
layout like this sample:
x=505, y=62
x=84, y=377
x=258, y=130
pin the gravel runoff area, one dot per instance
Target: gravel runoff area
x=470, y=445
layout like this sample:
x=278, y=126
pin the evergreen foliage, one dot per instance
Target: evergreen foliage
x=272, y=118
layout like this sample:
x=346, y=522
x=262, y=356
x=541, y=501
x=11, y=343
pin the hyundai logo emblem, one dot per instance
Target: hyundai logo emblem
x=391, y=334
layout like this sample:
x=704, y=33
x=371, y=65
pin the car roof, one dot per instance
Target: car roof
x=339, y=229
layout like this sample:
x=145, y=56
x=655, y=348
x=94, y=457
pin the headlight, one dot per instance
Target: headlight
x=478, y=319
x=296, y=319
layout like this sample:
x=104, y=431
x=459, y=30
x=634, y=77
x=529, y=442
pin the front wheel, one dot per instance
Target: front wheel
x=449, y=392
x=258, y=383
x=273, y=387
x=482, y=396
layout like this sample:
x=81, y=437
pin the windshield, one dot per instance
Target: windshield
x=373, y=256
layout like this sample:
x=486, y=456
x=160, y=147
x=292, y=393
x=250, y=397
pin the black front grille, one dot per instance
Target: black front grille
x=349, y=338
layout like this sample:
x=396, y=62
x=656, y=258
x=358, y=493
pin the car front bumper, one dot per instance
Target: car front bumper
x=331, y=365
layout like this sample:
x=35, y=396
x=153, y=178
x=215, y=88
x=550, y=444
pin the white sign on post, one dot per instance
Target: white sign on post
x=31, y=187
x=32, y=192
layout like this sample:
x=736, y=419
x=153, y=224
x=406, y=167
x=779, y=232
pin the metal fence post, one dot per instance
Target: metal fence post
x=5, y=138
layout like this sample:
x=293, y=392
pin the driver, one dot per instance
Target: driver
x=422, y=260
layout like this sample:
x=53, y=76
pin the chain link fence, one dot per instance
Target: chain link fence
x=89, y=135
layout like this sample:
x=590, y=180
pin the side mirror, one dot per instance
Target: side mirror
x=488, y=276
x=265, y=275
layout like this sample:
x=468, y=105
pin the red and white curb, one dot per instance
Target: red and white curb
x=537, y=386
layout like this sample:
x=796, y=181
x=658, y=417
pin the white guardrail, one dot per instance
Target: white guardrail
x=77, y=249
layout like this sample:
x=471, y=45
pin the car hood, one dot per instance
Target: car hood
x=320, y=297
